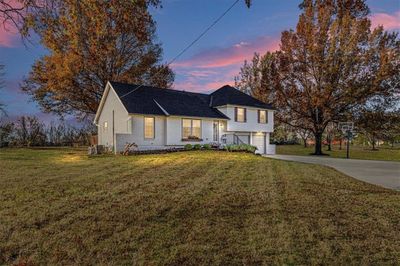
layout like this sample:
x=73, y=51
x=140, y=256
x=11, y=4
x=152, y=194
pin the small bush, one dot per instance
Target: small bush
x=241, y=147
x=188, y=147
x=251, y=148
x=207, y=146
x=197, y=147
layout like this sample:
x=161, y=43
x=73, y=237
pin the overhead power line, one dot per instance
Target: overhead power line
x=191, y=44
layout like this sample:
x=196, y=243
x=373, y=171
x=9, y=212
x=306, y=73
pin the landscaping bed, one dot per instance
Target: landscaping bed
x=198, y=147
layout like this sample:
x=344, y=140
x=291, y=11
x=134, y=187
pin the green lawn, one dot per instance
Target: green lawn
x=57, y=206
x=356, y=152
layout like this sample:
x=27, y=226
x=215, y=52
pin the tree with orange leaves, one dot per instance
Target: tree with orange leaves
x=331, y=64
x=91, y=42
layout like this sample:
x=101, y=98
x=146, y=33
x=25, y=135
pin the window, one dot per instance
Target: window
x=196, y=128
x=262, y=117
x=191, y=129
x=149, y=127
x=240, y=114
x=105, y=126
x=186, y=128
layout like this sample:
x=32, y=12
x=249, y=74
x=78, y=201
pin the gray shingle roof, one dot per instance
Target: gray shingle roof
x=229, y=95
x=180, y=103
x=158, y=101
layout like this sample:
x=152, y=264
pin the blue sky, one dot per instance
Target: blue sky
x=212, y=62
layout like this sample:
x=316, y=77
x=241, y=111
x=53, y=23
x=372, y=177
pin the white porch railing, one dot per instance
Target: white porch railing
x=231, y=138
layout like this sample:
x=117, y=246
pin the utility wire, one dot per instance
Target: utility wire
x=190, y=45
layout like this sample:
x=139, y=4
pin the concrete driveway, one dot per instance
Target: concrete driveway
x=381, y=173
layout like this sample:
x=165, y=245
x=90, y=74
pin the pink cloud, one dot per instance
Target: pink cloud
x=201, y=73
x=8, y=37
x=196, y=86
x=215, y=67
x=234, y=54
x=189, y=79
x=388, y=21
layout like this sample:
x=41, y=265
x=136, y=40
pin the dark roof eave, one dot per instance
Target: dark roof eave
x=172, y=115
x=263, y=107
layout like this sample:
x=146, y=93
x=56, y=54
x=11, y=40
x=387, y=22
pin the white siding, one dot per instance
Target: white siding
x=137, y=135
x=251, y=124
x=112, y=103
x=168, y=133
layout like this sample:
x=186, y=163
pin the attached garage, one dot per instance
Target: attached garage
x=259, y=142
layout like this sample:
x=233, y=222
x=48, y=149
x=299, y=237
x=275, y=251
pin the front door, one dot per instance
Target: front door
x=215, y=131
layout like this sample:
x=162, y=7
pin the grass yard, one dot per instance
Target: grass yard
x=58, y=206
x=356, y=152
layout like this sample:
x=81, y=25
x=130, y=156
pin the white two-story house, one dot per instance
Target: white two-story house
x=155, y=118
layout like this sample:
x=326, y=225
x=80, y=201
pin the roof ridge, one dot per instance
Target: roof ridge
x=168, y=89
x=225, y=86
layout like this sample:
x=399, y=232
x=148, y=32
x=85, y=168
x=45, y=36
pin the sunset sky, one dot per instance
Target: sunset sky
x=212, y=62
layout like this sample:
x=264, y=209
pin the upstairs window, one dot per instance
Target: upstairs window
x=262, y=117
x=149, y=128
x=191, y=129
x=240, y=114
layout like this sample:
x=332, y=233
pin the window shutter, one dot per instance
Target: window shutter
x=266, y=117
x=245, y=114
x=236, y=114
x=258, y=116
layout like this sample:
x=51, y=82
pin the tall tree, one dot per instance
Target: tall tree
x=304, y=135
x=379, y=119
x=29, y=131
x=331, y=132
x=257, y=77
x=392, y=133
x=331, y=64
x=89, y=43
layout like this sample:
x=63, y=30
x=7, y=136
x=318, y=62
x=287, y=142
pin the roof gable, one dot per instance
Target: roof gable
x=104, y=97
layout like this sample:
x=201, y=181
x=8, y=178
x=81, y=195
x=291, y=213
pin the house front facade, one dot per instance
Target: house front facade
x=155, y=118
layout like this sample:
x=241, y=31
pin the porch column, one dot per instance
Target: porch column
x=251, y=138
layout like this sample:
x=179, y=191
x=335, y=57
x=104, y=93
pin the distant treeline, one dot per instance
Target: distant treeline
x=28, y=131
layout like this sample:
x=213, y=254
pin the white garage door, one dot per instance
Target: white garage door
x=258, y=141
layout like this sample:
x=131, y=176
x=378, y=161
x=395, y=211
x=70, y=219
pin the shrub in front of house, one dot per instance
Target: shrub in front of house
x=240, y=148
x=188, y=147
x=197, y=147
x=207, y=147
